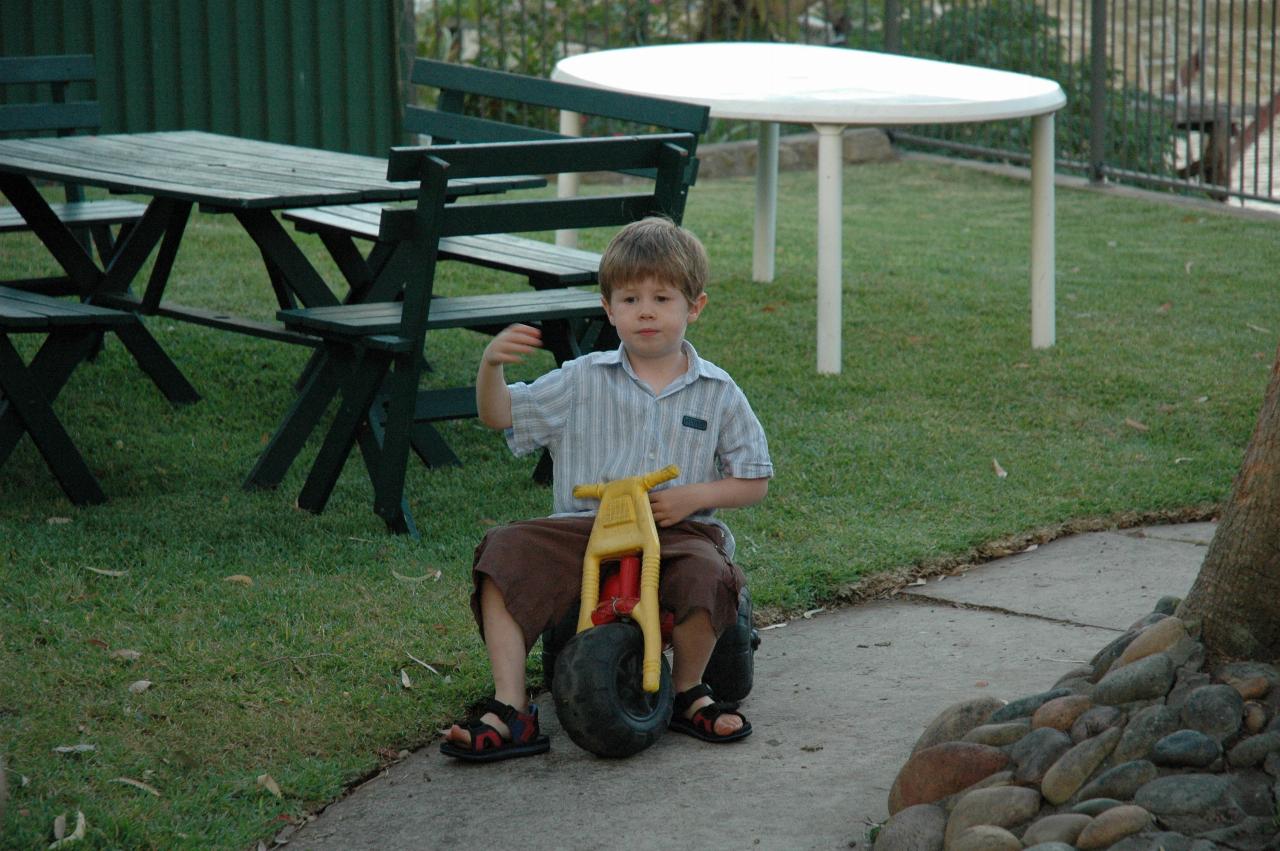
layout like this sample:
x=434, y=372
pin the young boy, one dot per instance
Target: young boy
x=604, y=416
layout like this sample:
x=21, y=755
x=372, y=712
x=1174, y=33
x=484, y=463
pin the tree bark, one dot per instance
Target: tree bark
x=1237, y=592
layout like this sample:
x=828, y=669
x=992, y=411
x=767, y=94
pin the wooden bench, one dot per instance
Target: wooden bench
x=88, y=219
x=28, y=391
x=372, y=351
x=463, y=89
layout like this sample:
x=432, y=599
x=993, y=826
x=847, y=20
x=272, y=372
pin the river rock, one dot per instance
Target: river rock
x=998, y=735
x=1073, y=768
x=956, y=720
x=1060, y=827
x=1186, y=682
x=1071, y=679
x=1145, y=728
x=1112, y=826
x=1179, y=794
x=1253, y=750
x=1215, y=710
x=1255, y=717
x=916, y=828
x=942, y=770
x=1035, y=752
x=1052, y=846
x=1006, y=807
x=1147, y=678
x=1162, y=841
x=1120, y=781
x=1095, y=806
x=1251, y=688
x=1061, y=712
x=985, y=837
x=1095, y=720
x=1106, y=657
x=1254, y=832
x=1248, y=670
x=1025, y=705
x=1186, y=749
x=1157, y=638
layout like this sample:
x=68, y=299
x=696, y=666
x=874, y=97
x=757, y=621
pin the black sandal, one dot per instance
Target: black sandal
x=488, y=745
x=703, y=723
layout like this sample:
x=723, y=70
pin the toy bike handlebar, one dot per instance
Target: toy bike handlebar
x=649, y=481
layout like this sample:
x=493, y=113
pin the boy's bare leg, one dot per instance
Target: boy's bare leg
x=504, y=640
x=692, y=642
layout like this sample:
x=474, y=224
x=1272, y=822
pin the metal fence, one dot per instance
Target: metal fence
x=1176, y=94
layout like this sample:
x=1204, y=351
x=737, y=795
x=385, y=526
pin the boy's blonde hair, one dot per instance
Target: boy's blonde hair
x=657, y=248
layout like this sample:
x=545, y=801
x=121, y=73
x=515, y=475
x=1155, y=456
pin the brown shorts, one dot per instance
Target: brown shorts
x=537, y=565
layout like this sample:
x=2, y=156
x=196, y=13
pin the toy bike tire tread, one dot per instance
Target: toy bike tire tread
x=597, y=692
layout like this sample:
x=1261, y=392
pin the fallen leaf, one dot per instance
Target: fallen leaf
x=267, y=782
x=1182, y=460
x=1257, y=328
x=1202, y=399
x=981, y=684
x=81, y=748
x=920, y=581
x=126, y=655
x=999, y=471
x=1135, y=424
x=420, y=662
x=1165, y=308
x=773, y=626
x=57, y=521
x=809, y=614
x=434, y=577
x=1187, y=266
x=137, y=784
x=139, y=686
x=98, y=642
x=239, y=579
x=388, y=753
x=404, y=679
x=103, y=572
x=75, y=836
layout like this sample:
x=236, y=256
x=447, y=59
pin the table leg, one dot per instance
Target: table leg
x=830, y=214
x=766, y=228
x=1042, y=237
x=567, y=184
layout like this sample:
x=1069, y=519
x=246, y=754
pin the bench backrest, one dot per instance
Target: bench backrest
x=460, y=85
x=448, y=121
x=56, y=73
x=416, y=232
x=59, y=115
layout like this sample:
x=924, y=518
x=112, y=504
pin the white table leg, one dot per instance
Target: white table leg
x=766, y=231
x=830, y=216
x=567, y=184
x=1042, y=238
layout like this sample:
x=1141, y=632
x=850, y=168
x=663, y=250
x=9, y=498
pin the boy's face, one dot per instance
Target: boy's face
x=651, y=316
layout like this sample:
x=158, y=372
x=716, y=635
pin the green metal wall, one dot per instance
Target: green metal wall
x=322, y=73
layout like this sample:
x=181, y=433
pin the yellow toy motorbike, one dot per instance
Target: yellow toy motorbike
x=611, y=682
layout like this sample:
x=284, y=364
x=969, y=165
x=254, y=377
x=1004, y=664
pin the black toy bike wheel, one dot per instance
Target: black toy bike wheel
x=598, y=694
x=731, y=670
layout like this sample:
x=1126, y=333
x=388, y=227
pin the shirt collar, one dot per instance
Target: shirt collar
x=698, y=368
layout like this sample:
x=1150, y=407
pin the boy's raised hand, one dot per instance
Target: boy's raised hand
x=512, y=344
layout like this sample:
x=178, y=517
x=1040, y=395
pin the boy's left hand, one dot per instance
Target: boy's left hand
x=673, y=504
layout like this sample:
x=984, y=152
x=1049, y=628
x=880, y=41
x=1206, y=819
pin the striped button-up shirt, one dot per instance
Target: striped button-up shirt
x=601, y=423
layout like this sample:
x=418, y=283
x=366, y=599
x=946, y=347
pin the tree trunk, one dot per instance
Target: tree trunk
x=1237, y=592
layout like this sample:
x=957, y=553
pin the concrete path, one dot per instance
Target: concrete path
x=839, y=700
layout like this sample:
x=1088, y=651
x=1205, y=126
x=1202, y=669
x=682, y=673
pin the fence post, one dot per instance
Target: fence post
x=892, y=27
x=1097, y=90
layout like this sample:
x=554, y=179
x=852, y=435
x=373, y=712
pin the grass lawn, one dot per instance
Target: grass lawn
x=1167, y=328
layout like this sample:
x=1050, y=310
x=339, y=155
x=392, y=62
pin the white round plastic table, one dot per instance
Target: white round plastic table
x=833, y=88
